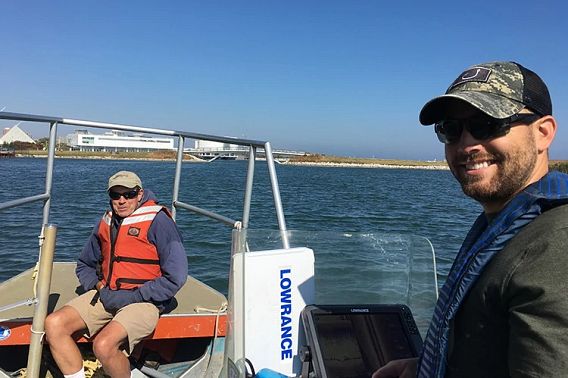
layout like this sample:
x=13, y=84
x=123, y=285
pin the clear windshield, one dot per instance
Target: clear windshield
x=350, y=268
x=365, y=267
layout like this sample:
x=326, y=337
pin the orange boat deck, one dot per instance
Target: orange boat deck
x=187, y=320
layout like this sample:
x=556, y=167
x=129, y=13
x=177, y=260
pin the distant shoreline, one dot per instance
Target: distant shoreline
x=366, y=165
x=305, y=164
x=317, y=160
x=309, y=160
x=305, y=161
x=107, y=157
x=333, y=163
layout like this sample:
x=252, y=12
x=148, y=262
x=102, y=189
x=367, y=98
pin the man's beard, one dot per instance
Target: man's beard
x=514, y=169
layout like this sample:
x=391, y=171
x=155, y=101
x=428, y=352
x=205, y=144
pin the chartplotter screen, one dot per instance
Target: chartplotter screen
x=354, y=341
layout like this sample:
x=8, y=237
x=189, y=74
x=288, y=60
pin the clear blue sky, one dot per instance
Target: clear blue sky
x=336, y=77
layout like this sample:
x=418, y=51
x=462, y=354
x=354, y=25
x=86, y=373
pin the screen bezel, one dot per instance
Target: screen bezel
x=311, y=312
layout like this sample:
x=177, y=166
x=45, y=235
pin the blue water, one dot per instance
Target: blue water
x=408, y=202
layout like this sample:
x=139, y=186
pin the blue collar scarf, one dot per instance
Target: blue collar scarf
x=482, y=242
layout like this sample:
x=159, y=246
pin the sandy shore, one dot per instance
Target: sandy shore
x=366, y=165
x=295, y=163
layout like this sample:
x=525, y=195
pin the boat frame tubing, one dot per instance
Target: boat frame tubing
x=253, y=144
x=47, y=244
x=40, y=311
x=177, y=176
x=276, y=195
x=49, y=170
x=248, y=186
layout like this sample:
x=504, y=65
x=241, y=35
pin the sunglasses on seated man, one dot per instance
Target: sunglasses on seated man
x=449, y=131
x=127, y=195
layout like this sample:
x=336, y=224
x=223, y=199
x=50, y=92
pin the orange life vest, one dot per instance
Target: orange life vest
x=133, y=260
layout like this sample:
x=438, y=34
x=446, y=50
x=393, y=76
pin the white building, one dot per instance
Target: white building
x=115, y=140
x=15, y=134
x=209, y=145
x=209, y=150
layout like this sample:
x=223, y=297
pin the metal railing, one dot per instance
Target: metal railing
x=54, y=122
x=253, y=145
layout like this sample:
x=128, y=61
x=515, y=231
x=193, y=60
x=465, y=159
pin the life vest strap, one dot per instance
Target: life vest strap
x=136, y=260
x=134, y=281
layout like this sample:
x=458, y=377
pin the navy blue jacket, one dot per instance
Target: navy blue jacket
x=164, y=234
x=487, y=239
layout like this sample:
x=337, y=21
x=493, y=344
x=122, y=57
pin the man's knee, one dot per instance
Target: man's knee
x=55, y=325
x=105, y=347
x=101, y=347
x=109, y=340
x=63, y=322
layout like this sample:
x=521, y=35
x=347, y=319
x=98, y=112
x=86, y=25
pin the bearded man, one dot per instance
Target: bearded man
x=503, y=310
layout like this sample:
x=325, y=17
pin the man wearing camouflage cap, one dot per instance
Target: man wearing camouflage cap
x=503, y=310
x=131, y=267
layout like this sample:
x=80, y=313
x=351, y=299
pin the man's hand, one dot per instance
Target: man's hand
x=405, y=368
x=114, y=300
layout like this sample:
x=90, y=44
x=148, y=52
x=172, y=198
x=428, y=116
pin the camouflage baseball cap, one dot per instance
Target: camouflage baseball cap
x=499, y=89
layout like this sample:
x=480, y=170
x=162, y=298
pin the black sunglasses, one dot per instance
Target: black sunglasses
x=450, y=131
x=127, y=195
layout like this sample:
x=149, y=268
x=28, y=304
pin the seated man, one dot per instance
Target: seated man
x=131, y=267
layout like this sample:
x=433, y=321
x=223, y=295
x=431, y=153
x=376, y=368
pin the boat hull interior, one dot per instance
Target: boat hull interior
x=183, y=340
